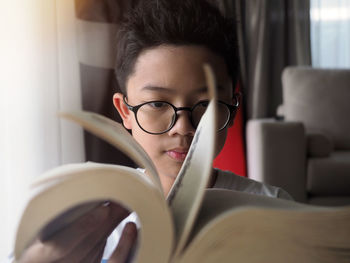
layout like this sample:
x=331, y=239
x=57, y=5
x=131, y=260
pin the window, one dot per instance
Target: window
x=330, y=33
x=36, y=81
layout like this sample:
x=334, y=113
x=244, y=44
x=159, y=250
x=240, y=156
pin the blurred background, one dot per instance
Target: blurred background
x=58, y=55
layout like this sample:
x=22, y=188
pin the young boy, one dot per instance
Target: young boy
x=162, y=47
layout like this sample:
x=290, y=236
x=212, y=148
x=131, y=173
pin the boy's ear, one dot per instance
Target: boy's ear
x=123, y=110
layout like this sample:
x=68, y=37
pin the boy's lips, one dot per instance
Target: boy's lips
x=178, y=154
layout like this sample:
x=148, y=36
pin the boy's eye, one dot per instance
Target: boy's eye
x=157, y=104
x=204, y=104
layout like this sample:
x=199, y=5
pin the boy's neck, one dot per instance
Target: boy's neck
x=167, y=182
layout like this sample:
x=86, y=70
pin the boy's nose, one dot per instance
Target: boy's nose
x=183, y=125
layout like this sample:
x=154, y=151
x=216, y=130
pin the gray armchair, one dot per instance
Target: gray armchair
x=307, y=150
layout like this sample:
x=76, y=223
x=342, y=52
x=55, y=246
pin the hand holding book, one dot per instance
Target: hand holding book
x=84, y=239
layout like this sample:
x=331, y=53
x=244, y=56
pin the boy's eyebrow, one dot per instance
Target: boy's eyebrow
x=157, y=88
x=167, y=90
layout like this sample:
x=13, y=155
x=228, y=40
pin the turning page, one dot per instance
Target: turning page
x=186, y=195
x=114, y=133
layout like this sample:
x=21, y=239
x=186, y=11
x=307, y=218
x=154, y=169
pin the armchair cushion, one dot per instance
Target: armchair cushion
x=319, y=145
x=276, y=154
x=319, y=98
x=329, y=176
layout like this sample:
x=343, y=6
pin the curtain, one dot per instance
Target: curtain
x=38, y=78
x=97, y=22
x=330, y=33
x=272, y=35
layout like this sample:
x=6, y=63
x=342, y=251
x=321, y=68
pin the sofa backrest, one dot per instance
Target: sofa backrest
x=320, y=98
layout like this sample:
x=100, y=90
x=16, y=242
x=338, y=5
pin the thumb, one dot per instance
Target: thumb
x=125, y=245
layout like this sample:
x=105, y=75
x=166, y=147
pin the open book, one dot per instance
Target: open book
x=193, y=224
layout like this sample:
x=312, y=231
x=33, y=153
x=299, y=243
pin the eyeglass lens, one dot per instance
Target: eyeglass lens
x=155, y=117
x=158, y=117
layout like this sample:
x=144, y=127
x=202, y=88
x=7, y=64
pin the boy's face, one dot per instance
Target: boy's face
x=173, y=74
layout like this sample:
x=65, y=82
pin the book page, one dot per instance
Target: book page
x=114, y=133
x=219, y=201
x=254, y=228
x=186, y=195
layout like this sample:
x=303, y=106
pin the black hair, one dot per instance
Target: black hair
x=152, y=23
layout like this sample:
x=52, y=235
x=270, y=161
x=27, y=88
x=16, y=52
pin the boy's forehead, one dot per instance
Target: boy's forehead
x=165, y=92
x=171, y=90
x=169, y=69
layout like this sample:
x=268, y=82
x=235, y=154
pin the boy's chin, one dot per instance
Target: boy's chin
x=172, y=170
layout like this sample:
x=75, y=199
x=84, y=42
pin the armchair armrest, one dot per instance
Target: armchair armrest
x=276, y=155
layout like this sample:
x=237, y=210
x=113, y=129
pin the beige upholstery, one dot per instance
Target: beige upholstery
x=307, y=153
x=319, y=98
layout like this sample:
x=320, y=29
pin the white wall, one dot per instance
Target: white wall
x=39, y=76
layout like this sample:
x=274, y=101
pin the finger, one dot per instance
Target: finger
x=118, y=212
x=96, y=254
x=125, y=244
x=90, y=244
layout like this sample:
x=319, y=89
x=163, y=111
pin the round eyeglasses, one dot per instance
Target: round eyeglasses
x=157, y=117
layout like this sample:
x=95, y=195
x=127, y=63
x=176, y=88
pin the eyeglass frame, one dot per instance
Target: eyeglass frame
x=232, y=111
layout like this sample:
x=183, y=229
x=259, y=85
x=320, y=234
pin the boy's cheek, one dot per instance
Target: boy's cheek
x=131, y=124
x=127, y=124
x=150, y=143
